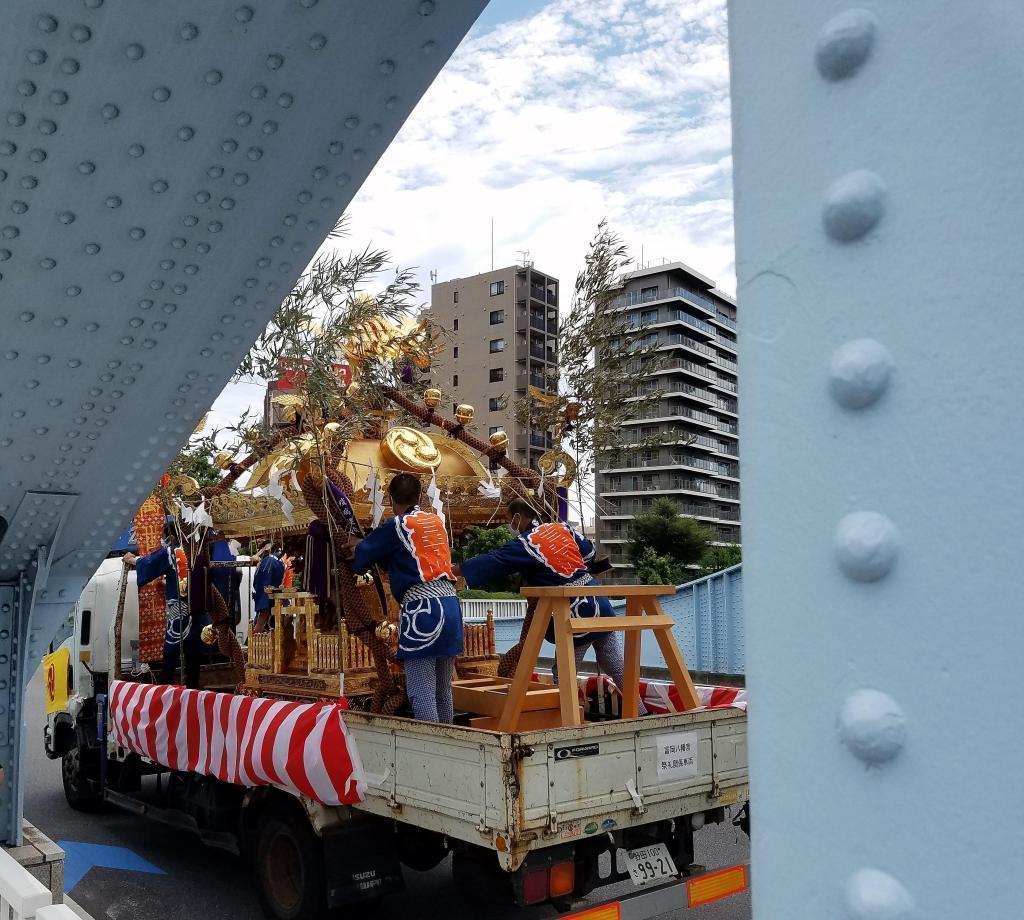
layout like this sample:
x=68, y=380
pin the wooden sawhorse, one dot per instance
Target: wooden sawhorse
x=643, y=611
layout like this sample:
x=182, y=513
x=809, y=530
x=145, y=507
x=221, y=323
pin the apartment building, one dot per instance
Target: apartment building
x=504, y=338
x=687, y=442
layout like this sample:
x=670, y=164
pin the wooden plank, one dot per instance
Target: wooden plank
x=528, y=721
x=674, y=660
x=565, y=653
x=623, y=624
x=491, y=701
x=527, y=661
x=599, y=591
x=630, y=688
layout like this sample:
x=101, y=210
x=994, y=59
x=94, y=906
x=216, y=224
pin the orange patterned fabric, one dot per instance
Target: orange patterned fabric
x=428, y=542
x=554, y=545
x=149, y=525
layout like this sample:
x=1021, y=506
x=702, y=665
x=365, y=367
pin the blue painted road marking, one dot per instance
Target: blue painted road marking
x=79, y=858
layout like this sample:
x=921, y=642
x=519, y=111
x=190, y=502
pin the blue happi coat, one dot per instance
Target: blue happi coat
x=413, y=549
x=269, y=573
x=546, y=555
x=183, y=626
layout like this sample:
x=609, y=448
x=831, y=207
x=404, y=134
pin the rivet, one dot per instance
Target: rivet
x=213, y=77
x=91, y=327
x=47, y=126
x=289, y=220
x=48, y=263
x=285, y=100
x=19, y=207
x=202, y=196
x=15, y=119
x=179, y=242
x=308, y=4
x=342, y=179
x=46, y=23
x=31, y=384
x=116, y=277
x=72, y=290
x=81, y=33
x=358, y=154
x=134, y=52
x=90, y=248
x=26, y=88
x=136, y=233
x=113, y=201
x=214, y=226
x=189, y=31
x=243, y=119
x=87, y=167
x=190, y=220
x=8, y=148
x=110, y=111
x=426, y=7
x=317, y=41
x=866, y=545
x=254, y=153
x=845, y=43
x=10, y=232
x=185, y=133
x=853, y=205
x=202, y=248
x=36, y=56
x=386, y=67
x=58, y=97
x=859, y=373
x=60, y=322
x=244, y=14
x=230, y=145
x=161, y=94
x=159, y=186
x=352, y=122
x=327, y=202
x=872, y=726
x=11, y=355
x=240, y=178
x=390, y=102
x=429, y=47
x=875, y=895
x=270, y=127
x=167, y=264
x=74, y=362
x=304, y=197
x=259, y=91
x=321, y=172
x=275, y=61
x=69, y=66
x=5, y=254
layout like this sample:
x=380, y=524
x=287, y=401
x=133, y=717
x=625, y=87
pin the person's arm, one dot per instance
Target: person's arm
x=374, y=548
x=488, y=567
x=157, y=563
x=587, y=548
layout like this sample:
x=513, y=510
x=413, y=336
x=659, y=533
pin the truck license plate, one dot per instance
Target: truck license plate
x=650, y=864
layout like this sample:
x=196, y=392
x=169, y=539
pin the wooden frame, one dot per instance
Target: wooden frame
x=519, y=702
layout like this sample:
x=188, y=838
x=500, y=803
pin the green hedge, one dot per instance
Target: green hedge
x=475, y=594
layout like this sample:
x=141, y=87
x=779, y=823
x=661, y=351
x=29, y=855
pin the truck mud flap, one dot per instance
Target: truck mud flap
x=361, y=863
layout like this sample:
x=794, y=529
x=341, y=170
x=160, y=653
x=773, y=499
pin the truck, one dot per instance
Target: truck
x=528, y=818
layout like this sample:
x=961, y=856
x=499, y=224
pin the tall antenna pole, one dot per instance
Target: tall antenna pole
x=492, y=244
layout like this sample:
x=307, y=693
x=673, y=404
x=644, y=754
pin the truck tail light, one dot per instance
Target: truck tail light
x=535, y=885
x=716, y=885
x=563, y=878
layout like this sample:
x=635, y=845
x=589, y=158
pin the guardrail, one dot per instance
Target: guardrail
x=476, y=610
x=22, y=895
x=709, y=627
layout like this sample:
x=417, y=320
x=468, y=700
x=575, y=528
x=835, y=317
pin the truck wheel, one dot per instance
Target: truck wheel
x=290, y=866
x=80, y=791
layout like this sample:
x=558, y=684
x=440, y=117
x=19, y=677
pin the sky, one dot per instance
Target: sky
x=551, y=115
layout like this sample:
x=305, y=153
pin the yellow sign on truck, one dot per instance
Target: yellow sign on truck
x=55, y=679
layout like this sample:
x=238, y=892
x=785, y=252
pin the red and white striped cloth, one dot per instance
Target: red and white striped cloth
x=661, y=697
x=300, y=747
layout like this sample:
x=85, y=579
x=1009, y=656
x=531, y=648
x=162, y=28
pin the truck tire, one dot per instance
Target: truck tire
x=289, y=861
x=80, y=789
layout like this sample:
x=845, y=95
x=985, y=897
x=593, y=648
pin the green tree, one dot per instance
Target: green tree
x=196, y=460
x=479, y=540
x=717, y=558
x=655, y=569
x=670, y=534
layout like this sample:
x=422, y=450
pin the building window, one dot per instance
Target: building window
x=455, y=380
x=456, y=295
x=455, y=351
x=496, y=404
x=496, y=346
x=456, y=326
x=494, y=429
x=497, y=374
x=497, y=287
x=497, y=316
x=649, y=293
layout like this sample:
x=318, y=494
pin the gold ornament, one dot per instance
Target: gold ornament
x=571, y=411
x=431, y=398
x=499, y=440
x=558, y=464
x=385, y=631
x=223, y=459
x=208, y=635
x=464, y=413
x=412, y=449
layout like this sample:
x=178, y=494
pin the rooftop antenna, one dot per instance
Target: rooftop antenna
x=433, y=276
x=524, y=257
x=492, y=243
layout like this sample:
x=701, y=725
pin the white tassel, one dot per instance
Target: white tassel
x=376, y=496
x=434, y=494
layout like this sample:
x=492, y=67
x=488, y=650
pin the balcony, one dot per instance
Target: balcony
x=539, y=381
x=726, y=363
x=537, y=351
x=723, y=384
x=673, y=411
x=544, y=442
x=725, y=320
x=634, y=298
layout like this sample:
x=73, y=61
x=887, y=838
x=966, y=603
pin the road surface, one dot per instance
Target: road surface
x=201, y=882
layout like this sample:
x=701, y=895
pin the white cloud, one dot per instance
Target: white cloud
x=550, y=121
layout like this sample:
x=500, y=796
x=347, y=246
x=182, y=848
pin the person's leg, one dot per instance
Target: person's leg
x=609, y=659
x=193, y=668
x=421, y=687
x=579, y=653
x=170, y=665
x=443, y=690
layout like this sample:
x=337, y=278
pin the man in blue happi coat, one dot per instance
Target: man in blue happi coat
x=552, y=555
x=186, y=609
x=269, y=574
x=413, y=548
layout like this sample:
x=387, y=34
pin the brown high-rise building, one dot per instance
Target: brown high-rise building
x=504, y=338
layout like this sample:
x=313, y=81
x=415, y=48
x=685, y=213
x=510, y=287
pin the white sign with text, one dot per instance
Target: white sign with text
x=677, y=756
